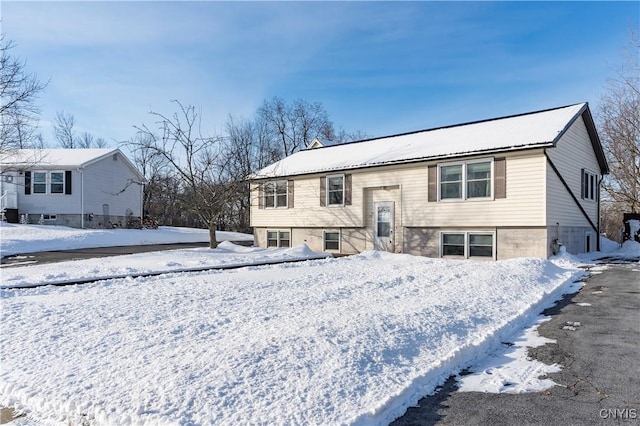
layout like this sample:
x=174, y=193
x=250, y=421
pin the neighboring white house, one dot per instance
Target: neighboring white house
x=500, y=188
x=82, y=188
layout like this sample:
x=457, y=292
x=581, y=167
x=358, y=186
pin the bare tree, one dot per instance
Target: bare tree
x=19, y=92
x=63, y=130
x=85, y=140
x=247, y=148
x=195, y=160
x=294, y=125
x=342, y=136
x=100, y=143
x=619, y=118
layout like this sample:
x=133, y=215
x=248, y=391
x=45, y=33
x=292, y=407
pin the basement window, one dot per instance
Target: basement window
x=473, y=244
x=278, y=239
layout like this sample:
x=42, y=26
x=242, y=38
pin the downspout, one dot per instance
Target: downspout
x=81, y=197
x=599, y=198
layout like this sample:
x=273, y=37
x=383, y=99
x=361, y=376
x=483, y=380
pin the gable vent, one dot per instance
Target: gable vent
x=115, y=157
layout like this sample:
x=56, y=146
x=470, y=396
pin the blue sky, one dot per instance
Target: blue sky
x=378, y=67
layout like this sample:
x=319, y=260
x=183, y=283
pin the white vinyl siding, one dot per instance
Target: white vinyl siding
x=524, y=205
x=572, y=153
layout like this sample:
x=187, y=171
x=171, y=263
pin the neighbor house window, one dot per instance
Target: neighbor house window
x=589, y=185
x=57, y=182
x=39, y=182
x=462, y=181
x=275, y=194
x=47, y=182
x=467, y=244
x=331, y=240
x=335, y=190
x=278, y=239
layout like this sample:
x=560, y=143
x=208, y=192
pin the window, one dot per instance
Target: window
x=335, y=190
x=480, y=245
x=450, y=182
x=46, y=183
x=453, y=244
x=332, y=240
x=57, y=182
x=278, y=239
x=39, y=182
x=464, y=181
x=275, y=194
x=467, y=244
x=479, y=180
x=589, y=185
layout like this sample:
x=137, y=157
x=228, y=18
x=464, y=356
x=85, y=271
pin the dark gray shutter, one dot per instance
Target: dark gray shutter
x=583, y=184
x=261, y=196
x=500, y=180
x=432, y=183
x=323, y=191
x=67, y=182
x=290, y=194
x=347, y=190
x=27, y=183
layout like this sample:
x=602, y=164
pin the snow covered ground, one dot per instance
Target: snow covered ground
x=354, y=340
x=227, y=255
x=20, y=239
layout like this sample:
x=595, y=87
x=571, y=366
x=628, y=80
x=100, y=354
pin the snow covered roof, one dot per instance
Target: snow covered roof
x=55, y=157
x=63, y=158
x=531, y=130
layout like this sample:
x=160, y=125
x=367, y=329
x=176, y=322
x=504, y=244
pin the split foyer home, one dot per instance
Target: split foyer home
x=522, y=185
x=82, y=188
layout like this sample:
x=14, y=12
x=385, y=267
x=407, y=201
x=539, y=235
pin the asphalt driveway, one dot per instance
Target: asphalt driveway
x=600, y=380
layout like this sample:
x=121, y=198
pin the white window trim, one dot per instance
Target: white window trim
x=464, y=181
x=327, y=189
x=50, y=182
x=278, y=232
x=587, y=197
x=33, y=182
x=466, y=243
x=324, y=240
x=275, y=194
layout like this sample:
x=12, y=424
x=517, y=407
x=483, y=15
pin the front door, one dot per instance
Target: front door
x=383, y=226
